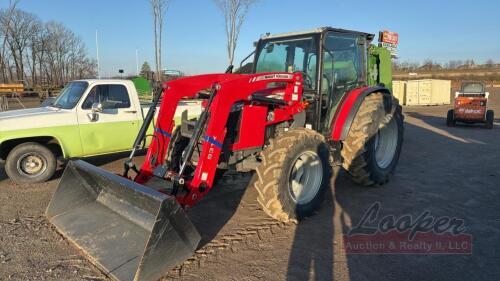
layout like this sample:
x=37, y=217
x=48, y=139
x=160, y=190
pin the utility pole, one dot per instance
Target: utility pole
x=136, y=62
x=97, y=49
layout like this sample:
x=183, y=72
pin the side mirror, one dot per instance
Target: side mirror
x=95, y=110
x=487, y=95
x=457, y=94
x=96, y=107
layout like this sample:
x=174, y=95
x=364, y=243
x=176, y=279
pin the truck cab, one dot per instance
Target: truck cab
x=88, y=118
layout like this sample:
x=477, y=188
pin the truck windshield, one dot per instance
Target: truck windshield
x=289, y=55
x=70, y=95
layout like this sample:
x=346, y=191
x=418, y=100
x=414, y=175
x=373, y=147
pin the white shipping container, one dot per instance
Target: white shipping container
x=411, y=93
x=399, y=90
x=428, y=92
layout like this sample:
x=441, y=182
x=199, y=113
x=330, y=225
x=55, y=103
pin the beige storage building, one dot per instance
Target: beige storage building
x=428, y=92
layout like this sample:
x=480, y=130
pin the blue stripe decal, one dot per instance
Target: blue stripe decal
x=165, y=133
x=213, y=141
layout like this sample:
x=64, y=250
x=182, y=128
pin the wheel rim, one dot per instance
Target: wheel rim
x=31, y=165
x=386, y=143
x=305, y=177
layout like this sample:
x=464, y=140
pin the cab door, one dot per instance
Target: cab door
x=114, y=128
x=343, y=70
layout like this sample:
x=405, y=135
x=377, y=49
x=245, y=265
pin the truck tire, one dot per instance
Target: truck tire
x=30, y=163
x=371, y=150
x=294, y=174
x=490, y=118
x=450, y=118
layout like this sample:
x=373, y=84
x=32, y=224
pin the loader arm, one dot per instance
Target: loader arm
x=173, y=92
x=229, y=89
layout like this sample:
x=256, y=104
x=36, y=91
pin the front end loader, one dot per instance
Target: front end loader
x=310, y=103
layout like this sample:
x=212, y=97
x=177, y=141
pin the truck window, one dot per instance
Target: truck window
x=110, y=96
x=70, y=95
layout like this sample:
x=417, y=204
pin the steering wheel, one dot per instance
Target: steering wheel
x=308, y=81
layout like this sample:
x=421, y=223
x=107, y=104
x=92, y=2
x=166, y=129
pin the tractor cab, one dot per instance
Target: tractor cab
x=332, y=61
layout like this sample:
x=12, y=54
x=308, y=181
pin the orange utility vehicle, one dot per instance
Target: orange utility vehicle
x=471, y=106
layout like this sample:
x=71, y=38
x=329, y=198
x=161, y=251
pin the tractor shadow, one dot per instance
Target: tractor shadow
x=215, y=210
x=311, y=256
x=432, y=155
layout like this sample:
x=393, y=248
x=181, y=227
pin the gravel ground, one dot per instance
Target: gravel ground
x=451, y=172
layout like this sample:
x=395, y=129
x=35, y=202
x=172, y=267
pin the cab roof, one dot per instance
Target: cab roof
x=319, y=30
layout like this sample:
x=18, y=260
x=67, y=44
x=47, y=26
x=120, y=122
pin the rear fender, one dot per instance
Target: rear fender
x=350, y=105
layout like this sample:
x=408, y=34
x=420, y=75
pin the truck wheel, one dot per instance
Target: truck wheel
x=450, y=118
x=371, y=150
x=30, y=163
x=490, y=118
x=293, y=175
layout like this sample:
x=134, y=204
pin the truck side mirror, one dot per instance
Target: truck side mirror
x=96, y=107
x=95, y=110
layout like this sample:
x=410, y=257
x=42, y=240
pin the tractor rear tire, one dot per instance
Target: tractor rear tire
x=371, y=150
x=490, y=118
x=450, y=118
x=294, y=175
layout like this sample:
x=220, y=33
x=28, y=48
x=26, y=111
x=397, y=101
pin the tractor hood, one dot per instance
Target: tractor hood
x=33, y=118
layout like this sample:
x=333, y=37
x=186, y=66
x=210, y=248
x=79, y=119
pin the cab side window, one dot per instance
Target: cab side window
x=110, y=96
x=342, y=60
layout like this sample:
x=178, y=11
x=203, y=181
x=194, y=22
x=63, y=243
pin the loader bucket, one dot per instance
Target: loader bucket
x=130, y=231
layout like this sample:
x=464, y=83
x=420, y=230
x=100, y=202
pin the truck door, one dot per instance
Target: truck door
x=115, y=127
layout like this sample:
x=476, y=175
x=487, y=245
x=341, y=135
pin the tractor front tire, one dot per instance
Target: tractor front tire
x=294, y=175
x=450, y=118
x=30, y=163
x=490, y=118
x=371, y=150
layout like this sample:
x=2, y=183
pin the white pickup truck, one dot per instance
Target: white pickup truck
x=88, y=118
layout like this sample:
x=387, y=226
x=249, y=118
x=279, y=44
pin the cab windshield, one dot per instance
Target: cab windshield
x=70, y=95
x=289, y=55
x=475, y=88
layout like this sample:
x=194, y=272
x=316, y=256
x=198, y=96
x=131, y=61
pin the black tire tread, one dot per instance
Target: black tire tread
x=270, y=170
x=365, y=125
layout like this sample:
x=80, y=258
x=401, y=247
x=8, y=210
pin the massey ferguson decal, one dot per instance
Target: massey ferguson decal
x=271, y=77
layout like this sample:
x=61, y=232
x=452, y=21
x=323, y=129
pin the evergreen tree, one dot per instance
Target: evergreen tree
x=145, y=70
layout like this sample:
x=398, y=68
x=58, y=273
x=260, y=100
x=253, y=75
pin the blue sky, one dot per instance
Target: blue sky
x=194, y=38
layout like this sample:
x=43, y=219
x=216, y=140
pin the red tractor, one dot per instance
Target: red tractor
x=307, y=106
x=471, y=106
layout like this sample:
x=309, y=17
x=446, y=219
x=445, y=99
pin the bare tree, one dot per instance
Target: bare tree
x=40, y=53
x=5, y=24
x=235, y=12
x=159, y=8
x=490, y=63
